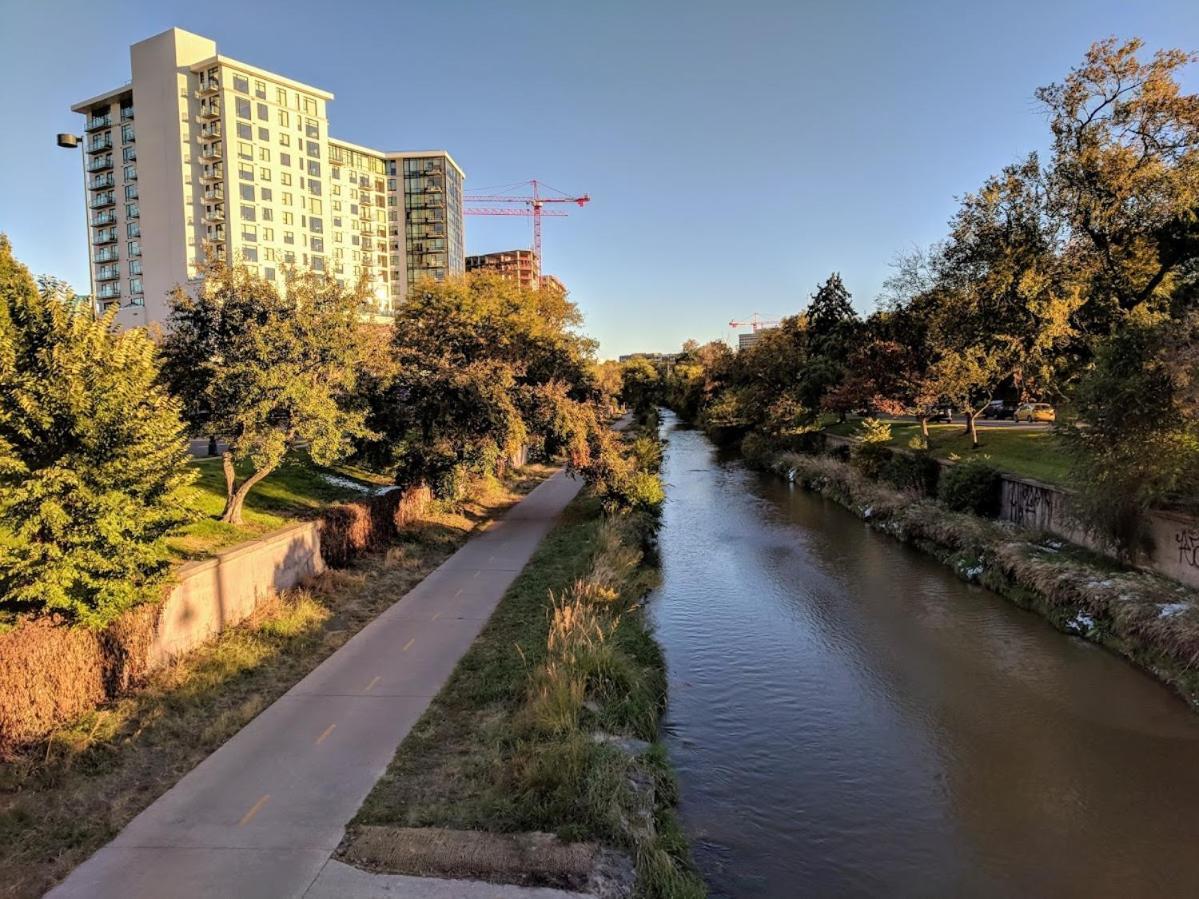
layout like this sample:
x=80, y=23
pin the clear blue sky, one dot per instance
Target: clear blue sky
x=736, y=152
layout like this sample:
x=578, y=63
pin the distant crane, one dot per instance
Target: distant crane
x=756, y=323
x=533, y=204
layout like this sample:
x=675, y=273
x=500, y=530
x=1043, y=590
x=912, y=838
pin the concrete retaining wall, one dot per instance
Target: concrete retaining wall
x=217, y=593
x=1045, y=507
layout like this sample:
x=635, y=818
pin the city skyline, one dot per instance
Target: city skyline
x=702, y=93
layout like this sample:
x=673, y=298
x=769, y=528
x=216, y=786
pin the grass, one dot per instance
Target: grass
x=62, y=799
x=298, y=489
x=508, y=745
x=1029, y=453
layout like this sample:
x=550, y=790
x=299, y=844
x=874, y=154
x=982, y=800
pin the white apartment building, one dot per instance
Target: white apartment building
x=201, y=151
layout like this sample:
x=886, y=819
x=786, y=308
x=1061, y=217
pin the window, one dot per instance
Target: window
x=127, y=134
x=128, y=154
x=289, y=237
x=269, y=273
x=247, y=192
x=285, y=140
x=244, y=131
x=284, y=118
x=268, y=234
x=267, y=194
x=281, y=96
x=284, y=159
x=250, y=254
x=135, y=248
x=314, y=168
x=133, y=229
x=243, y=108
x=241, y=84
x=318, y=245
x=245, y=171
x=285, y=179
x=260, y=90
x=314, y=149
x=267, y=214
x=264, y=154
x=264, y=173
x=289, y=218
x=135, y=267
x=309, y=106
x=264, y=133
x=249, y=232
x=317, y=226
x=245, y=150
x=132, y=211
x=135, y=285
x=130, y=191
x=248, y=214
x=264, y=113
x=314, y=187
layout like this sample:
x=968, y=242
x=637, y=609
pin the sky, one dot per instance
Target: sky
x=735, y=153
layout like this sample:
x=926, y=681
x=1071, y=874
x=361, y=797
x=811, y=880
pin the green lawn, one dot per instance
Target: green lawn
x=297, y=490
x=1033, y=454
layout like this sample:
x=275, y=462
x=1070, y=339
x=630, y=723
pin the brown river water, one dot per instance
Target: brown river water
x=847, y=718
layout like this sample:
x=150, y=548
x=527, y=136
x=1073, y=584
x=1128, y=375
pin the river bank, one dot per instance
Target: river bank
x=1149, y=620
x=849, y=716
x=550, y=725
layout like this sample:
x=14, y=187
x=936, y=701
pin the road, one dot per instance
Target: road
x=261, y=816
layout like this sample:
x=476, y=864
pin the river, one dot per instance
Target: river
x=847, y=718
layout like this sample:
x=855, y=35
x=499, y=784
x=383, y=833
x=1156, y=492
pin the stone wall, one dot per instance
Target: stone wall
x=1045, y=507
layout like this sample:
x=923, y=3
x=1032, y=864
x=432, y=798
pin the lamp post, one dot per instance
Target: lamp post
x=75, y=142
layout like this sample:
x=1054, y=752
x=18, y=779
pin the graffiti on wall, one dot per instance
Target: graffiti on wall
x=1187, y=540
x=1029, y=504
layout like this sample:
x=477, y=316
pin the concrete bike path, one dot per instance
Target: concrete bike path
x=261, y=816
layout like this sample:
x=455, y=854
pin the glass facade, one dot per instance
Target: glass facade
x=433, y=239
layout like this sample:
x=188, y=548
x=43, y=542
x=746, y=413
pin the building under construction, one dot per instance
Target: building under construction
x=515, y=265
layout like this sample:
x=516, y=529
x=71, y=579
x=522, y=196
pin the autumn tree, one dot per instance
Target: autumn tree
x=641, y=385
x=266, y=369
x=93, y=457
x=1125, y=173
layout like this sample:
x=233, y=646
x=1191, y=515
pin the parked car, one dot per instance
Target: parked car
x=999, y=409
x=1035, y=412
x=942, y=413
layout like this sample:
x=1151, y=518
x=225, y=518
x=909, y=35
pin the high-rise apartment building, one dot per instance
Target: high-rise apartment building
x=200, y=153
x=515, y=265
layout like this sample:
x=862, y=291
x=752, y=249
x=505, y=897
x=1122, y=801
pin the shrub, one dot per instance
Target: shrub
x=840, y=452
x=971, y=486
x=755, y=449
x=812, y=443
x=92, y=458
x=913, y=471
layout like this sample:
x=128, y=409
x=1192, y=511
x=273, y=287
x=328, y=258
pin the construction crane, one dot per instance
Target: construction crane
x=533, y=204
x=756, y=323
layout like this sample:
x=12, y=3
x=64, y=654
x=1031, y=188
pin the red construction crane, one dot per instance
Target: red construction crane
x=756, y=323
x=533, y=206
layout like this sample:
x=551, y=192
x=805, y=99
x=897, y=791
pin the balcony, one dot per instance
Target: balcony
x=208, y=87
x=211, y=131
x=104, y=217
x=214, y=195
x=214, y=233
x=99, y=182
x=108, y=273
x=214, y=215
x=105, y=235
x=108, y=198
x=126, y=113
x=109, y=292
x=212, y=174
x=209, y=111
x=211, y=153
x=95, y=123
x=100, y=142
x=99, y=163
x=106, y=254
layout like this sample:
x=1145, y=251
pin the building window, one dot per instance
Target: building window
x=249, y=233
x=135, y=285
x=133, y=229
x=264, y=113
x=264, y=154
x=129, y=154
x=244, y=131
x=127, y=135
x=314, y=168
x=314, y=149
x=264, y=173
x=250, y=254
x=241, y=84
x=135, y=248
x=269, y=273
x=243, y=108
x=260, y=90
x=267, y=214
x=130, y=191
x=135, y=267
x=285, y=180
x=132, y=211
x=130, y=172
x=284, y=120
x=284, y=159
x=245, y=171
x=245, y=150
x=266, y=193
x=268, y=234
x=314, y=187
x=310, y=106
x=248, y=213
x=247, y=192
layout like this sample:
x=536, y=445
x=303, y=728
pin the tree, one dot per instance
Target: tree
x=640, y=384
x=266, y=369
x=831, y=336
x=482, y=367
x=1125, y=172
x=93, y=457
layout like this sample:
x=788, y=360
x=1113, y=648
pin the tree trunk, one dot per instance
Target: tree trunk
x=972, y=428
x=924, y=426
x=212, y=447
x=235, y=499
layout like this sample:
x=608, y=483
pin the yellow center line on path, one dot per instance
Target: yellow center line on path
x=408, y=644
x=254, y=810
x=371, y=685
x=321, y=738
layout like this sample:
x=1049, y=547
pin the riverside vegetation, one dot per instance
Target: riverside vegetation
x=550, y=722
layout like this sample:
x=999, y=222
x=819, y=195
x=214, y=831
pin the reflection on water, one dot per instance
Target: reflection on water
x=848, y=719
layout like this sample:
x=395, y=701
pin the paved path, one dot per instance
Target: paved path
x=261, y=816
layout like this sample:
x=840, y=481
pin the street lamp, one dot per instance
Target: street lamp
x=75, y=142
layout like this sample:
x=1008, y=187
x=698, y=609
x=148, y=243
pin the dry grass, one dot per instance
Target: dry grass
x=1149, y=619
x=62, y=798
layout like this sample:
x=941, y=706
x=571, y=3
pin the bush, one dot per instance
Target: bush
x=871, y=459
x=913, y=471
x=971, y=486
x=811, y=443
x=93, y=458
x=840, y=452
x=756, y=449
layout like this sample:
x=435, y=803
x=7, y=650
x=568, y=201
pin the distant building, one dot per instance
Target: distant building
x=649, y=357
x=515, y=265
x=549, y=282
x=745, y=341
